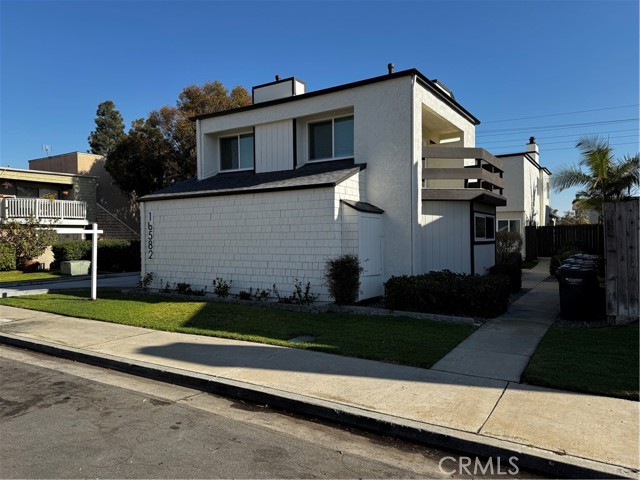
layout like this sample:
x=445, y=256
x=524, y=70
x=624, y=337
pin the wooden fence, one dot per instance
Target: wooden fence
x=622, y=231
x=547, y=241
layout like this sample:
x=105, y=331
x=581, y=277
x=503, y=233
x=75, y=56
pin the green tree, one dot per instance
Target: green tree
x=574, y=217
x=109, y=129
x=601, y=177
x=161, y=149
x=29, y=239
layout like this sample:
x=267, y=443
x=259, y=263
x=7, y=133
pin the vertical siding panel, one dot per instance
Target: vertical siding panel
x=274, y=146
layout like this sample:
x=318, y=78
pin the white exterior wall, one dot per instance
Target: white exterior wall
x=253, y=240
x=433, y=249
x=274, y=146
x=524, y=200
x=484, y=257
x=382, y=139
x=446, y=240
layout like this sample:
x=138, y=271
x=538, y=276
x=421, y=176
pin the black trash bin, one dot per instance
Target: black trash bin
x=578, y=285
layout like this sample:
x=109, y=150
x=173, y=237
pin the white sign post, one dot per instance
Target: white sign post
x=94, y=253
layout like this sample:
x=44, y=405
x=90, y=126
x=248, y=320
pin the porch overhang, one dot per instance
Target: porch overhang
x=464, y=195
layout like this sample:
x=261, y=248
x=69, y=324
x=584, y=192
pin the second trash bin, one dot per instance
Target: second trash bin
x=578, y=284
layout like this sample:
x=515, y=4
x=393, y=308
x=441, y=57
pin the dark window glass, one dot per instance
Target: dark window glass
x=320, y=140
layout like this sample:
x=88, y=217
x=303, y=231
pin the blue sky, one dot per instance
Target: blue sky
x=504, y=60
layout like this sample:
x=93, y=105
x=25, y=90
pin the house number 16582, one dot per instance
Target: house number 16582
x=150, y=235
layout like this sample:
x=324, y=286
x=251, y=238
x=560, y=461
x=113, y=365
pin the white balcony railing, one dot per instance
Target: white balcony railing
x=42, y=209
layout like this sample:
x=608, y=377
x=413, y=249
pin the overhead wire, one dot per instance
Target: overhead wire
x=562, y=114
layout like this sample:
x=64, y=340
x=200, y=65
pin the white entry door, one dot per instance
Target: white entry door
x=370, y=255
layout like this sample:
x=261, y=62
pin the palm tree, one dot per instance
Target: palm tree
x=602, y=177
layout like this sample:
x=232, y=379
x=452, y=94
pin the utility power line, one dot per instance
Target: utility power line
x=561, y=142
x=563, y=113
x=575, y=135
x=542, y=128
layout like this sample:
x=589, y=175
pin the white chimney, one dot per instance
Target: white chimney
x=532, y=149
x=281, y=88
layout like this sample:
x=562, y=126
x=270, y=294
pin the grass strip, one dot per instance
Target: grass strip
x=401, y=340
x=12, y=276
x=602, y=361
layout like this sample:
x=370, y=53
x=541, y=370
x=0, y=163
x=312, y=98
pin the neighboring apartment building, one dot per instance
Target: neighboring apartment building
x=528, y=191
x=62, y=200
x=117, y=214
x=384, y=168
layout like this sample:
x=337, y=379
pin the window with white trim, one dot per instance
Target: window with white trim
x=485, y=227
x=509, y=226
x=331, y=139
x=236, y=152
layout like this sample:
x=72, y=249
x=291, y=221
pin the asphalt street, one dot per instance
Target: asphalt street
x=60, y=419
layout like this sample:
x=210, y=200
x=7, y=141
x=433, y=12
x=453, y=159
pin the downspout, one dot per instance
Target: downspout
x=413, y=199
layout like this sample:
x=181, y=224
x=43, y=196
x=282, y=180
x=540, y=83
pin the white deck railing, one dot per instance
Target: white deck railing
x=42, y=209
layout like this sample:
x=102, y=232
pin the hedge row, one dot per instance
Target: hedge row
x=113, y=255
x=7, y=256
x=449, y=293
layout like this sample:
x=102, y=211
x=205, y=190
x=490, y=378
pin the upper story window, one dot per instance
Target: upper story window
x=236, y=152
x=331, y=139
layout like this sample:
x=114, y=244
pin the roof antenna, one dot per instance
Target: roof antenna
x=46, y=148
x=390, y=68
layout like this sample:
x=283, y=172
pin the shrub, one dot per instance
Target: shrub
x=508, y=247
x=184, y=288
x=7, y=256
x=343, y=278
x=513, y=272
x=74, y=250
x=146, y=281
x=244, y=295
x=221, y=288
x=119, y=255
x=29, y=239
x=113, y=255
x=449, y=293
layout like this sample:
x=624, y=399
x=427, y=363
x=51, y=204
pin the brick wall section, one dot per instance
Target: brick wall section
x=113, y=227
x=84, y=190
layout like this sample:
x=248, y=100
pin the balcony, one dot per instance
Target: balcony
x=60, y=212
x=462, y=173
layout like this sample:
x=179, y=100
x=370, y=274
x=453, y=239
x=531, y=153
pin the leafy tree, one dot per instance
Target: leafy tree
x=601, y=177
x=29, y=239
x=161, y=149
x=109, y=129
x=575, y=217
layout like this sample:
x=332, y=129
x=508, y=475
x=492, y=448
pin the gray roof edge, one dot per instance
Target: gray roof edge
x=239, y=191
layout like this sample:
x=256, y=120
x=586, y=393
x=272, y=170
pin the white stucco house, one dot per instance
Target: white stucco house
x=385, y=168
x=527, y=189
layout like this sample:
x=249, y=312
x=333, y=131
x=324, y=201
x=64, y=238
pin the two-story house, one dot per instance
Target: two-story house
x=385, y=168
x=528, y=191
x=64, y=201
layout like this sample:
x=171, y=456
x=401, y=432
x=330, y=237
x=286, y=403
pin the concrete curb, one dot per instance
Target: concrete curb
x=465, y=443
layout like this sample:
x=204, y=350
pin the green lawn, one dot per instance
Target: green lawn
x=402, y=340
x=602, y=361
x=18, y=276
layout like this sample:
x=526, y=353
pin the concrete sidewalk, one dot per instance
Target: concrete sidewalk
x=557, y=432
x=502, y=347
